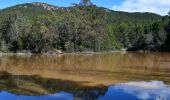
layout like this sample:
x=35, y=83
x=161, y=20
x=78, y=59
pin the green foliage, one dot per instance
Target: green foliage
x=40, y=28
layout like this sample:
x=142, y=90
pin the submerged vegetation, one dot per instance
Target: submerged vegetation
x=41, y=28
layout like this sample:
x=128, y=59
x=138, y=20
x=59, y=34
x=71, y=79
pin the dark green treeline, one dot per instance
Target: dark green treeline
x=40, y=28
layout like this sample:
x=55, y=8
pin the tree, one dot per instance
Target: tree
x=84, y=27
x=86, y=3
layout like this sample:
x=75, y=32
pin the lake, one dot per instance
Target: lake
x=100, y=76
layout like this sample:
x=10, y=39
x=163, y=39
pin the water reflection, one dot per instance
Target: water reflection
x=153, y=90
x=84, y=76
x=57, y=96
x=39, y=86
x=106, y=68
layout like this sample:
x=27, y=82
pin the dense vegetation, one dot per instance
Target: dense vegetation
x=40, y=28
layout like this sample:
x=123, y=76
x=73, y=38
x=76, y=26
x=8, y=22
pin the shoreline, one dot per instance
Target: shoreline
x=65, y=53
x=62, y=53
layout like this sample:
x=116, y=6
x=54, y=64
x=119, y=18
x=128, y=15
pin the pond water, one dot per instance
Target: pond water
x=102, y=76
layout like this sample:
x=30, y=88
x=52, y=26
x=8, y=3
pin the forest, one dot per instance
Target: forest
x=43, y=28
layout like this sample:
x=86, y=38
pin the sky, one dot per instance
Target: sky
x=161, y=7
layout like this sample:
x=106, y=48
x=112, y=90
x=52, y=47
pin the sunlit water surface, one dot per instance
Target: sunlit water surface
x=103, y=76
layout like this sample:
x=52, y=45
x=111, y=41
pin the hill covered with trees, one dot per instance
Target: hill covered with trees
x=41, y=28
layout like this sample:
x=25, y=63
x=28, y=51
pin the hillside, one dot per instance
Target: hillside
x=37, y=8
x=39, y=27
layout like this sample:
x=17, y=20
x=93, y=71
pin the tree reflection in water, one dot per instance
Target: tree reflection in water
x=38, y=86
x=82, y=76
x=14, y=87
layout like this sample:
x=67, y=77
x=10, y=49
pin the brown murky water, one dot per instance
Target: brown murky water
x=41, y=74
x=92, y=69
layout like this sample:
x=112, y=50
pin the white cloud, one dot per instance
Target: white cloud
x=154, y=90
x=156, y=6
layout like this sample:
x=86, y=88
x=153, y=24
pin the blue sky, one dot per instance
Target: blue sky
x=156, y=6
x=104, y=3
